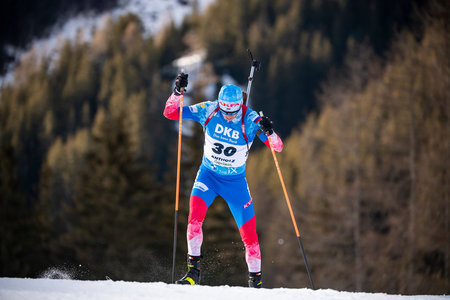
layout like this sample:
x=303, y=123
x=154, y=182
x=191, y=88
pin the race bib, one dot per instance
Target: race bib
x=224, y=154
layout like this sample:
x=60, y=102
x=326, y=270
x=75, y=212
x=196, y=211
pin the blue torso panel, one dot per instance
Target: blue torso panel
x=225, y=151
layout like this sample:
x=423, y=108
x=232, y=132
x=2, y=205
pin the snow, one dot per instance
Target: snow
x=60, y=289
x=154, y=14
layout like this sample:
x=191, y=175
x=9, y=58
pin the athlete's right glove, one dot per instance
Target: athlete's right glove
x=266, y=125
x=180, y=83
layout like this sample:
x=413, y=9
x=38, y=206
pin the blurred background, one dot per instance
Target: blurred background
x=358, y=90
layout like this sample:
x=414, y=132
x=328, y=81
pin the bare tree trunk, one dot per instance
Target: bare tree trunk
x=412, y=195
x=357, y=231
x=447, y=188
x=447, y=228
x=446, y=75
x=357, y=202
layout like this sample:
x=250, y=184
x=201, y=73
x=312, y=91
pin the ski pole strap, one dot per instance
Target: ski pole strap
x=211, y=115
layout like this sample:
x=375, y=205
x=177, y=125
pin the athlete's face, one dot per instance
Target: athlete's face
x=229, y=117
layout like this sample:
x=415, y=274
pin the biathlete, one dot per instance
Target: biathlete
x=230, y=128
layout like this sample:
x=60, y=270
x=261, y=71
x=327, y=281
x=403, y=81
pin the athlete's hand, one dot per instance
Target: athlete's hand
x=180, y=83
x=266, y=125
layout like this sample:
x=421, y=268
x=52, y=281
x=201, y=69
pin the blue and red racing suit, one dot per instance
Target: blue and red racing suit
x=222, y=171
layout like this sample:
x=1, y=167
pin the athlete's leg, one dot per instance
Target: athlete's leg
x=250, y=240
x=201, y=198
x=238, y=198
x=197, y=213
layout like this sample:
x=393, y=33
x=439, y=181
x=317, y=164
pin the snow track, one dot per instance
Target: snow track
x=58, y=289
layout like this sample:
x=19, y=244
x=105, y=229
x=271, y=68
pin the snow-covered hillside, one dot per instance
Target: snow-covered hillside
x=59, y=289
x=154, y=14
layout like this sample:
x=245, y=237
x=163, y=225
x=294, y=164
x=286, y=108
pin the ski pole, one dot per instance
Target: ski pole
x=177, y=195
x=255, y=65
x=286, y=196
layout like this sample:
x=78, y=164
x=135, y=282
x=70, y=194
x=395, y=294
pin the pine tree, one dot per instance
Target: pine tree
x=18, y=230
x=112, y=218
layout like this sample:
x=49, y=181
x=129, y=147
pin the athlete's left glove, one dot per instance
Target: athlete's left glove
x=266, y=125
x=180, y=83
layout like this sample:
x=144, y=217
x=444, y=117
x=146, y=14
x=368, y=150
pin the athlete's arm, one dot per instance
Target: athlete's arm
x=196, y=112
x=266, y=126
x=277, y=143
x=171, y=109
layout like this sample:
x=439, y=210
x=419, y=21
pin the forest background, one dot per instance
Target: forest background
x=358, y=90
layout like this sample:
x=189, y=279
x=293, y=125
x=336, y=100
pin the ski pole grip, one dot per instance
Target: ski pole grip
x=182, y=88
x=255, y=63
x=262, y=115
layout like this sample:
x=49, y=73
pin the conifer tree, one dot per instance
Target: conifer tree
x=18, y=233
x=112, y=216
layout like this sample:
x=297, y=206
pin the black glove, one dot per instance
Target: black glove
x=266, y=125
x=180, y=83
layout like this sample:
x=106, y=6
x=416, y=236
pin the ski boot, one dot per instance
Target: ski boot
x=254, y=280
x=193, y=275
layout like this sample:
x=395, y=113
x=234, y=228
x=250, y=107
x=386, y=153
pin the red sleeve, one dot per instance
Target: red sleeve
x=171, y=109
x=277, y=143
